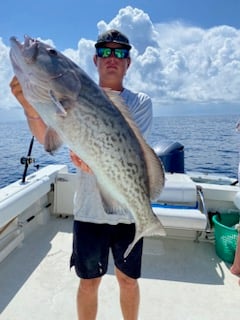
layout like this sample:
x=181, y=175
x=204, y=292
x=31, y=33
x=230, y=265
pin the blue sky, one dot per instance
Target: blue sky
x=66, y=21
x=186, y=53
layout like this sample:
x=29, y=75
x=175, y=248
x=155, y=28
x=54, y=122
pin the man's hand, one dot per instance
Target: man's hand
x=18, y=93
x=79, y=163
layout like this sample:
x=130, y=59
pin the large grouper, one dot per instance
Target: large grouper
x=96, y=125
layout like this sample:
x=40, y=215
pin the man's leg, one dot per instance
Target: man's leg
x=127, y=270
x=90, y=259
x=87, y=298
x=129, y=295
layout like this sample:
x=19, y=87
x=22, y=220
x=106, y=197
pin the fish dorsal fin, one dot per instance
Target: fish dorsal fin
x=154, y=165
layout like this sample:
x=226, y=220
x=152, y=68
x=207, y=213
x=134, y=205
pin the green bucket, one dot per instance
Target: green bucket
x=226, y=235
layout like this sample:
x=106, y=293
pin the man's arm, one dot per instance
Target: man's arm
x=36, y=124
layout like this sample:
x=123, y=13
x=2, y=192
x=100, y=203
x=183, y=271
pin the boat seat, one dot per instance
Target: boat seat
x=177, y=207
x=180, y=217
x=178, y=188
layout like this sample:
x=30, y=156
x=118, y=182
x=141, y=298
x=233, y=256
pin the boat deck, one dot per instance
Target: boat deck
x=181, y=280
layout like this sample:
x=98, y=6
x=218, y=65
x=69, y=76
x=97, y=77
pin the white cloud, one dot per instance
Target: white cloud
x=6, y=98
x=171, y=62
x=136, y=24
x=83, y=56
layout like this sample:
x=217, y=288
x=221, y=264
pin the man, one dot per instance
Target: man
x=95, y=232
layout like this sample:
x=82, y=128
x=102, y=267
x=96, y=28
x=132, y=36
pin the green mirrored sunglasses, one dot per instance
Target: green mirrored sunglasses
x=120, y=53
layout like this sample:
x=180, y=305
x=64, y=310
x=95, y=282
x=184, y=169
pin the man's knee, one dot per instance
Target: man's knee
x=89, y=285
x=125, y=281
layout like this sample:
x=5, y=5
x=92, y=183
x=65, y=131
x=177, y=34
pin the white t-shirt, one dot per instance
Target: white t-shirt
x=87, y=200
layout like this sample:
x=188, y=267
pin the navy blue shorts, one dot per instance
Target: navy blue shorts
x=91, y=245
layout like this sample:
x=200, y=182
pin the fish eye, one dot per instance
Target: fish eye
x=52, y=51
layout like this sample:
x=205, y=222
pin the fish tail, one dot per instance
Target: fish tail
x=154, y=229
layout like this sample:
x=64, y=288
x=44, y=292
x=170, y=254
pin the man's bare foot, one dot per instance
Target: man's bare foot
x=235, y=271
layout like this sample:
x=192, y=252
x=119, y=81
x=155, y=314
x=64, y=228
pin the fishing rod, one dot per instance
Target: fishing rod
x=26, y=161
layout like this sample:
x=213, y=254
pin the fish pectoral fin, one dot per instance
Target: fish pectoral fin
x=52, y=141
x=59, y=107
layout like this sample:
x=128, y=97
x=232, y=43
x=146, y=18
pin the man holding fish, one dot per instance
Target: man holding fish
x=101, y=223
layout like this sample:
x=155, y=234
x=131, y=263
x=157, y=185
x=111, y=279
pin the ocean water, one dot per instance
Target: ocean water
x=211, y=145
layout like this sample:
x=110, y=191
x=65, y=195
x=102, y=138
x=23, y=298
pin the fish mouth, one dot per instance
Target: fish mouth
x=15, y=53
x=23, y=54
x=28, y=42
x=26, y=50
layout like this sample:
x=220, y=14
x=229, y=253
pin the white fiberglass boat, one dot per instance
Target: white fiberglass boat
x=182, y=276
